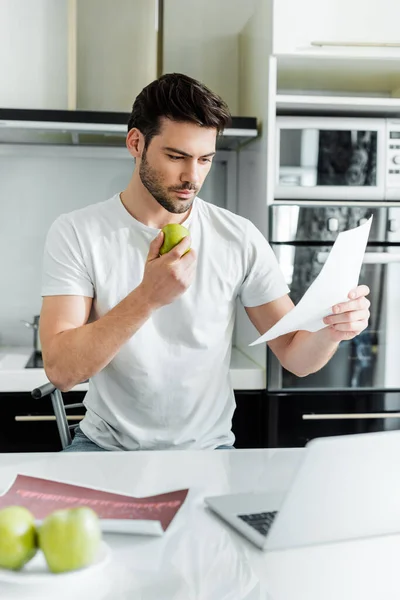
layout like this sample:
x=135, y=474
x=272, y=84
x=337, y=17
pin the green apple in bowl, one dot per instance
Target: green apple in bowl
x=70, y=538
x=173, y=234
x=18, y=537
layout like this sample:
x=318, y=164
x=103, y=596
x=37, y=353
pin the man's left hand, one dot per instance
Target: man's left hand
x=349, y=318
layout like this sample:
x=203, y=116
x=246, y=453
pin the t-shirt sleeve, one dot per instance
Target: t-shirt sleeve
x=64, y=269
x=264, y=279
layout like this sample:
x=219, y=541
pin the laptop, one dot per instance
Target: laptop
x=345, y=488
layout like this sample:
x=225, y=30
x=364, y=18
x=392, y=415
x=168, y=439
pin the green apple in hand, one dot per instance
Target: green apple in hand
x=173, y=234
x=18, y=540
x=70, y=538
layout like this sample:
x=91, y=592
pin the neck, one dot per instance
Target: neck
x=144, y=207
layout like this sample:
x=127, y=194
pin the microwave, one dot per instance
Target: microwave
x=337, y=158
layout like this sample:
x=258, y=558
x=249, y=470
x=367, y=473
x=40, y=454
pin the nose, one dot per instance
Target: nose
x=191, y=173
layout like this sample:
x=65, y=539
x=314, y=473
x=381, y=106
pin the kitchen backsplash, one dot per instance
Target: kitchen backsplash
x=37, y=185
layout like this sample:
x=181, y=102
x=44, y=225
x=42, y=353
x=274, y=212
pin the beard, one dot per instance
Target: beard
x=152, y=181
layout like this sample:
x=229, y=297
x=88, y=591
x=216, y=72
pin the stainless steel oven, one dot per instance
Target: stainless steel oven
x=361, y=382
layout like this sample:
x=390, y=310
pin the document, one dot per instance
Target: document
x=117, y=513
x=337, y=278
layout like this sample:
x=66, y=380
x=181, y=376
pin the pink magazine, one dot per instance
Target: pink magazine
x=120, y=514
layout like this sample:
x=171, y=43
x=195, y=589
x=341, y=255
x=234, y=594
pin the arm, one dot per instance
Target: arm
x=303, y=352
x=74, y=350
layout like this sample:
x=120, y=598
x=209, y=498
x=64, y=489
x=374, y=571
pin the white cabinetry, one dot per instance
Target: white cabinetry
x=202, y=40
x=33, y=53
x=328, y=25
x=116, y=52
x=68, y=54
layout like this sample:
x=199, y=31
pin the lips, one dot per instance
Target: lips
x=185, y=193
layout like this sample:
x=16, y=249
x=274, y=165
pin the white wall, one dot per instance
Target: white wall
x=33, y=54
x=201, y=39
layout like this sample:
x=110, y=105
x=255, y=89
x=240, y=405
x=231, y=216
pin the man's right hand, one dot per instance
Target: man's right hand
x=168, y=276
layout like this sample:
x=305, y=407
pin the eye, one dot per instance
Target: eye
x=172, y=157
x=206, y=160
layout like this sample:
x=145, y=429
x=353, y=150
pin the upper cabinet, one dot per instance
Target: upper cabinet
x=336, y=26
x=33, y=53
x=202, y=40
x=116, y=54
x=76, y=54
x=341, y=46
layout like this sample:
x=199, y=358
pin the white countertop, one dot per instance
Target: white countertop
x=200, y=557
x=245, y=373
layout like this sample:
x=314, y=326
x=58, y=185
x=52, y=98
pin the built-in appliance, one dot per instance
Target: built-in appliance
x=364, y=374
x=337, y=158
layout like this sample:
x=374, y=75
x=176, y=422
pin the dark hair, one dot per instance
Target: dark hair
x=179, y=98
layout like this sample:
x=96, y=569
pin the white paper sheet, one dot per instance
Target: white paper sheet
x=337, y=278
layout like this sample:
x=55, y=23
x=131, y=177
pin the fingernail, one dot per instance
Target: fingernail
x=352, y=295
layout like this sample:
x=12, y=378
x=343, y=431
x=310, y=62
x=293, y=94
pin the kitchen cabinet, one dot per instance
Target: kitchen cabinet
x=33, y=54
x=320, y=25
x=20, y=429
x=293, y=419
x=76, y=54
x=248, y=421
x=203, y=40
x=116, y=52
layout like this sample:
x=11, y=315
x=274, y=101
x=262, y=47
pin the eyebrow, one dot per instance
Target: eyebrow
x=177, y=151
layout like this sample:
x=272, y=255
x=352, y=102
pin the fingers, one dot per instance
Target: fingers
x=347, y=317
x=155, y=246
x=353, y=327
x=359, y=304
x=361, y=290
x=179, y=251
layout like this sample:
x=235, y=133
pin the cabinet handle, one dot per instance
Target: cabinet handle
x=328, y=417
x=356, y=44
x=370, y=258
x=46, y=417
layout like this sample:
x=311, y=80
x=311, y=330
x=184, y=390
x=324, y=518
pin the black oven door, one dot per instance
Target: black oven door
x=372, y=359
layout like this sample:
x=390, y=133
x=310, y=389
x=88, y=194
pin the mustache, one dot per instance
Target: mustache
x=188, y=187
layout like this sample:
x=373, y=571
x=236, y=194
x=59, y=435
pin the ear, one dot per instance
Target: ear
x=135, y=142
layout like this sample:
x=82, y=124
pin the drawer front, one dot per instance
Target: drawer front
x=28, y=425
x=296, y=419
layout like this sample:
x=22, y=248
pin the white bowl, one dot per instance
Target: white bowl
x=37, y=571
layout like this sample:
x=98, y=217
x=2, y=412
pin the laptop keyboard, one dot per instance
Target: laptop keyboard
x=260, y=521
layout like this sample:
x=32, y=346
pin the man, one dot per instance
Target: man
x=153, y=333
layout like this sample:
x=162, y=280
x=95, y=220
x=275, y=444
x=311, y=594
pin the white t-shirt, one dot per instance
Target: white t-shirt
x=169, y=385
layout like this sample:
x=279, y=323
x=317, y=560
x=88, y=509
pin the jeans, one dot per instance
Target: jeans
x=81, y=443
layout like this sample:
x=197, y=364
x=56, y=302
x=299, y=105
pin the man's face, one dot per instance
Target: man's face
x=176, y=163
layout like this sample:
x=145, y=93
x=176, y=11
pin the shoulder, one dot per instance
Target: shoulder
x=227, y=223
x=90, y=219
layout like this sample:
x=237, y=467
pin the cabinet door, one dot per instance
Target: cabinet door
x=23, y=422
x=297, y=25
x=202, y=40
x=33, y=54
x=295, y=419
x=247, y=419
x=116, y=54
